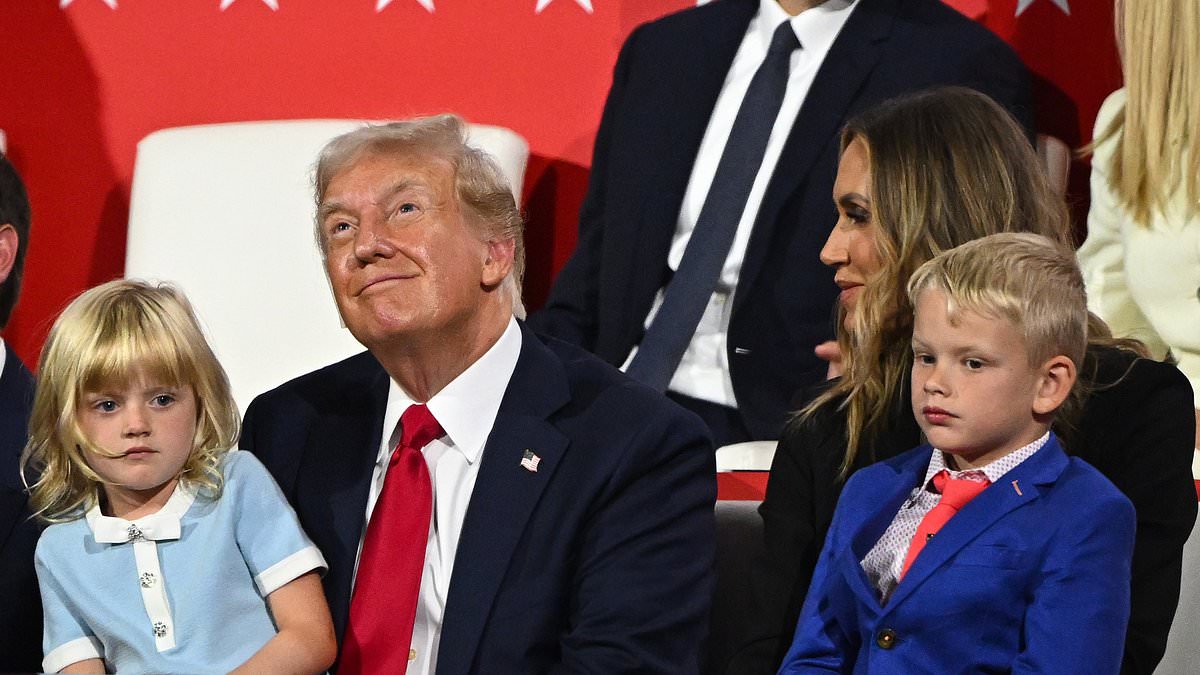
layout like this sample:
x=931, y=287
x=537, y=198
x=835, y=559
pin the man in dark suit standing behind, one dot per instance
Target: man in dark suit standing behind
x=533, y=510
x=20, y=603
x=721, y=126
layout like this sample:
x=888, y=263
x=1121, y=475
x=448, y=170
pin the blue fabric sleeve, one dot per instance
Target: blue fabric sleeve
x=268, y=533
x=65, y=635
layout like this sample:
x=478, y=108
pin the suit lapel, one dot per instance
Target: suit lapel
x=1018, y=487
x=892, y=497
x=836, y=87
x=338, y=461
x=696, y=81
x=504, y=498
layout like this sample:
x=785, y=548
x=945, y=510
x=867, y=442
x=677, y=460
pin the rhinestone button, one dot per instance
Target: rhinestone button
x=160, y=629
x=147, y=579
x=134, y=532
x=412, y=655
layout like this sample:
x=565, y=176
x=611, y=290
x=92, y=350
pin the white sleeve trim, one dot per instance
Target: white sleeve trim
x=290, y=568
x=72, y=652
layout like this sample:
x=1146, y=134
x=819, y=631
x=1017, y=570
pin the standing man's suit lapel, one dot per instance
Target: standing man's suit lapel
x=696, y=83
x=838, y=82
x=506, y=494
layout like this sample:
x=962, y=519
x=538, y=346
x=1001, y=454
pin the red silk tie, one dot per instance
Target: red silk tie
x=384, y=605
x=956, y=492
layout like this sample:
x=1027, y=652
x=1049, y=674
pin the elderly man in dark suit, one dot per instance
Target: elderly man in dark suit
x=721, y=128
x=533, y=510
x=20, y=604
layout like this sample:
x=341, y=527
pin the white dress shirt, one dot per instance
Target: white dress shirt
x=885, y=560
x=466, y=408
x=703, y=371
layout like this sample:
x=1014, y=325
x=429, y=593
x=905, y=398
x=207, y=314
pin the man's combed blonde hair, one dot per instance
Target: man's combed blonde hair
x=1023, y=278
x=100, y=340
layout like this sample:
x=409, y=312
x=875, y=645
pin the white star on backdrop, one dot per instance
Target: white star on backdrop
x=1023, y=5
x=112, y=4
x=542, y=4
x=273, y=4
x=380, y=4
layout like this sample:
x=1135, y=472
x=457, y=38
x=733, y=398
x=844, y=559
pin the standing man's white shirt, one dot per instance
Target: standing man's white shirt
x=703, y=371
x=466, y=408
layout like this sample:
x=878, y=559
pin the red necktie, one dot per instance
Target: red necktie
x=956, y=492
x=384, y=605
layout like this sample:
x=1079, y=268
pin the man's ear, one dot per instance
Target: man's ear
x=8, y=250
x=1055, y=379
x=499, y=261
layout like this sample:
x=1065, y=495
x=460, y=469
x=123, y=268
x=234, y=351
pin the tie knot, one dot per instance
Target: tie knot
x=418, y=427
x=956, y=492
x=784, y=41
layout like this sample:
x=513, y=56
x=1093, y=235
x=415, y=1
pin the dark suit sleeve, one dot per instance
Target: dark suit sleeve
x=572, y=310
x=997, y=71
x=1140, y=433
x=644, y=578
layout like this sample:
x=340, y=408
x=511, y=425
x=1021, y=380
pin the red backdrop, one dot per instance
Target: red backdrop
x=81, y=84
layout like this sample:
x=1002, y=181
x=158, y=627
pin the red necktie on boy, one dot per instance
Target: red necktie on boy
x=956, y=492
x=384, y=605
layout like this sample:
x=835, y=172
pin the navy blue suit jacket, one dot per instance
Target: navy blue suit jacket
x=601, y=561
x=665, y=85
x=1031, y=576
x=20, y=603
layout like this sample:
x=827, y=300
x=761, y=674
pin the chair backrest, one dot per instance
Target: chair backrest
x=1183, y=651
x=748, y=456
x=225, y=212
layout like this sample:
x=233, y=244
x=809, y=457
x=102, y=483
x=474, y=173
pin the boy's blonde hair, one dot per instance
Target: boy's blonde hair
x=98, y=341
x=1020, y=277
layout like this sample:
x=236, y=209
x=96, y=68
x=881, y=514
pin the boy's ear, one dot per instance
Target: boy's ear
x=1055, y=379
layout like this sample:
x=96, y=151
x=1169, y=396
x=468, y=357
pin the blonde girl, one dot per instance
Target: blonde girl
x=166, y=550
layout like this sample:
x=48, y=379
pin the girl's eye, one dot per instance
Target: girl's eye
x=105, y=405
x=163, y=400
x=925, y=359
x=973, y=364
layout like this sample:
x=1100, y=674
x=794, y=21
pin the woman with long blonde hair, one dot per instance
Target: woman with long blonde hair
x=920, y=175
x=1141, y=260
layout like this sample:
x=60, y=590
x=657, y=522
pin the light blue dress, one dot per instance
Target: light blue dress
x=180, y=591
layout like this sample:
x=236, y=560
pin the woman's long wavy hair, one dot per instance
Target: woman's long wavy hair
x=1157, y=145
x=947, y=166
x=101, y=339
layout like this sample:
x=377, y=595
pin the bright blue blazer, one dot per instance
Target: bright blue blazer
x=1031, y=576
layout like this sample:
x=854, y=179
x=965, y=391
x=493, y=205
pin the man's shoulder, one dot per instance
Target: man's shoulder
x=604, y=408
x=331, y=382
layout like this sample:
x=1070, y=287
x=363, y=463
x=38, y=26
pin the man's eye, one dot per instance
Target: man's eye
x=340, y=226
x=407, y=207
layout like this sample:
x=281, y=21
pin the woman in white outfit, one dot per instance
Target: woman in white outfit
x=1141, y=260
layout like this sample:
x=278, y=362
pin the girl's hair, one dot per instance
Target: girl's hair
x=1157, y=147
x=947, y=165
x=98, y=341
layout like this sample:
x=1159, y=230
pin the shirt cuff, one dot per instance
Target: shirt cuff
x=291, y=567
x=73, y=652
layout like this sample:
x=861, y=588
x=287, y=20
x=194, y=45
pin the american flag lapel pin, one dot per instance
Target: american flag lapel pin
x=530, y=461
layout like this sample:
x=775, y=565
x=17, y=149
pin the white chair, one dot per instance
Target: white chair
x=748, y=456
x=1183, y=650
x=225, y=212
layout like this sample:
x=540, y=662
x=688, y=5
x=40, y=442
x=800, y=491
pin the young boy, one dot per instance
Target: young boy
x=987, y=550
